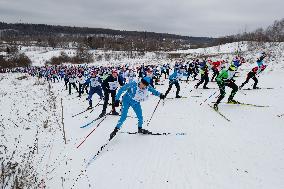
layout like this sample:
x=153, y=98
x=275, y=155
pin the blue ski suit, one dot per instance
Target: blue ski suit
x=95, y=87
x=129, y=99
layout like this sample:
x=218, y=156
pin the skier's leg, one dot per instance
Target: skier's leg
x=255, y=81
x=234, y=91
x=200, y=82
x=247, y=79
x=178, y=89
x=105, y=102
x=92, y=91
x=80, y=89
x=100, y=93
x=69, y=88
x=206, y=80
x=169, y=89
x=222, y=93
x=138, y=111
x=124, y=111
x=113, y=93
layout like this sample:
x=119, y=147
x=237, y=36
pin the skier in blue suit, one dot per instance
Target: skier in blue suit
x=174, y=78
x=134, y=94
x=95, y=87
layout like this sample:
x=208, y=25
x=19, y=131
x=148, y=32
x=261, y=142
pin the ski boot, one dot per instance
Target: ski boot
x=102, y=114
x=177, y=96
x=215, y=106
x=114, y=113
x=205, y=87
x=232, y=101
x=113, y=133
x=90, y=107
x=144, y=131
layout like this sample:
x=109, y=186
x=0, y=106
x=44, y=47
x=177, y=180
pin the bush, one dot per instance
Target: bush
x=16, y=60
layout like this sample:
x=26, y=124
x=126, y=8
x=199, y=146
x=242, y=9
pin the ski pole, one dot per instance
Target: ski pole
x=208, y=98
x=153, y=113
x=92, y=131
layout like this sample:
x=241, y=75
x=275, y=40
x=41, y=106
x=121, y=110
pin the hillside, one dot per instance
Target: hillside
x=203, y=151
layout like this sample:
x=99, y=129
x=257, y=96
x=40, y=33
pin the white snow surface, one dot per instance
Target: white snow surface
x=246, y=153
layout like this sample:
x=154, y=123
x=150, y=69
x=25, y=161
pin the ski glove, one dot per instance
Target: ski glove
x=162, y=96
x=116, y=103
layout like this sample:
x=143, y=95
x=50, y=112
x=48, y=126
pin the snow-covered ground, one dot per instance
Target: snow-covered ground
x=246, y=153
x=40, y=55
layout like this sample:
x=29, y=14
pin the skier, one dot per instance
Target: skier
x=256, y=70
x=109, y=85
x=204, y=75
x=134, y=94
x=95, y=87
x=191, y=71
x=215, y=69
x=72, y=82
x=225, y=78
x=81, y=80
x=173, y=80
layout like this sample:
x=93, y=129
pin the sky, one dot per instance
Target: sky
x=205, y=18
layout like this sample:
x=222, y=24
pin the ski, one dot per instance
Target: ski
x=94, y=120
x=219, y=113
x=176, y=98
x=246, y=104
x=82, y=112
x=258, y=88
x=134, y=133
x=208, y=88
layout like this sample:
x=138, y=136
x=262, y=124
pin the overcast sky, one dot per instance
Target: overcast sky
x=186, y=17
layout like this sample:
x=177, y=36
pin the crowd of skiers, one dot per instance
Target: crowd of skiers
x=135, y=83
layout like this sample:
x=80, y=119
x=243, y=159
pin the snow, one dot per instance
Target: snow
x=246, y=153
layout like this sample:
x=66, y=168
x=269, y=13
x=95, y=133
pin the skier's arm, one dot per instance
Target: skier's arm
x=153, y=91
x=122, y=90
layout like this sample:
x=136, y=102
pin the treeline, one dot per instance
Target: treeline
x=13, y=58
x=96, y=38
x=273, y=33
x=82, y=56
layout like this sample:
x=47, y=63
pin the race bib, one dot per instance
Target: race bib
x=95, y=82
x=113, y=85
x=141, y=95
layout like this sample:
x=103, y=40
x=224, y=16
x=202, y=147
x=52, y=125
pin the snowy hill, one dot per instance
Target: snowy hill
x=212, y=153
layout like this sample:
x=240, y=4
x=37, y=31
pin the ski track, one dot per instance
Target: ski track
x=245, y=153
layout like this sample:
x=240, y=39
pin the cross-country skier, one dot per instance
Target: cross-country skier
x=225, y=78
x=134, y=94
x=174, y=80
x=204, y=75
x=72, y=82
x=95, y=87
x=256, y=70
x=215, y=69
x=81, y=79
x=110, y=85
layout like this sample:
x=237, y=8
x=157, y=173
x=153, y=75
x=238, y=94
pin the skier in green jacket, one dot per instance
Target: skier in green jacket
x=225, y=78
